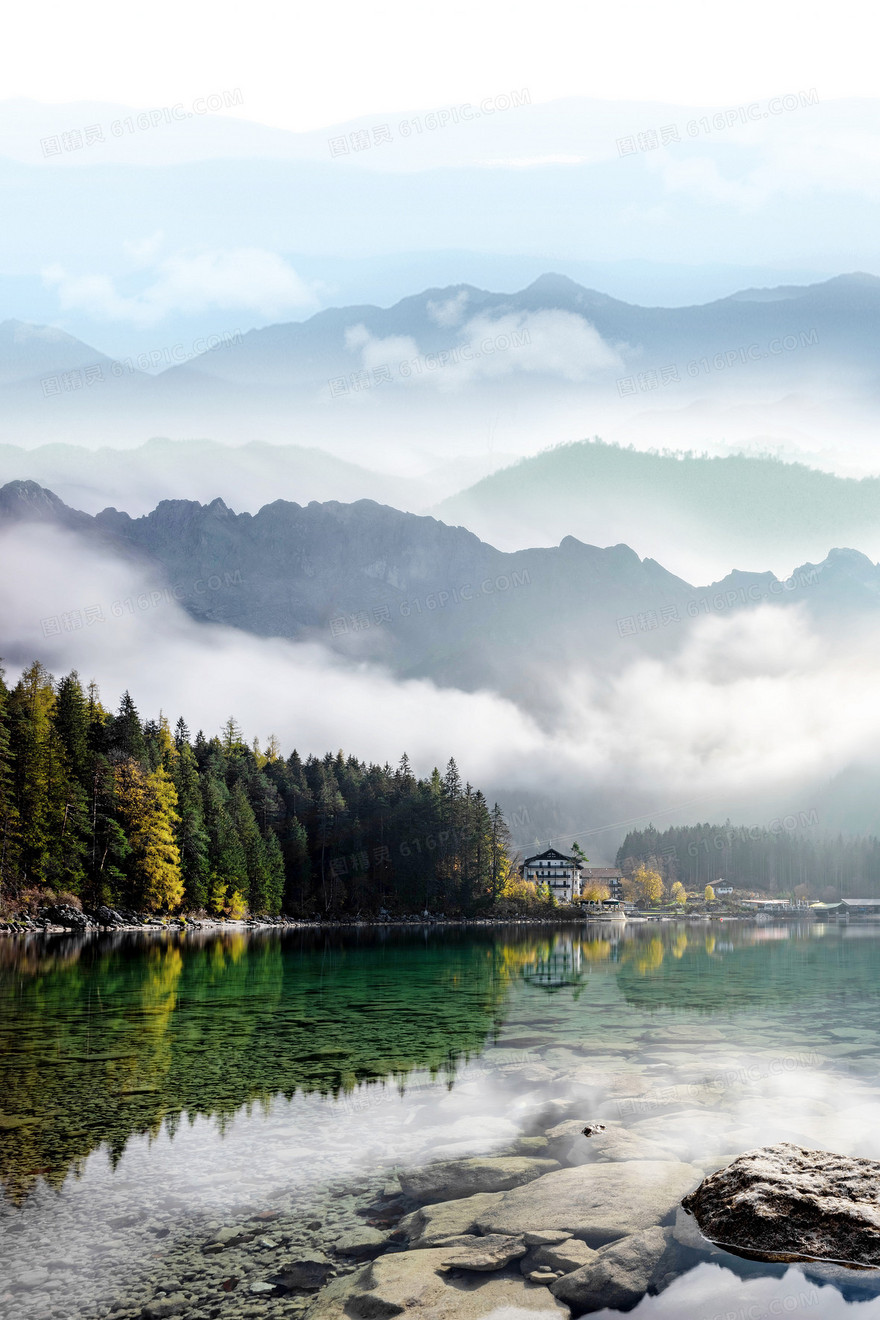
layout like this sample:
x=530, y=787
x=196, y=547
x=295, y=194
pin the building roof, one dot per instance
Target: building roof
x=551, y=855
x=860, y=902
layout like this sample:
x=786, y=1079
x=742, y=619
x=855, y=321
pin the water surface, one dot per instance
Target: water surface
x=155, y=1088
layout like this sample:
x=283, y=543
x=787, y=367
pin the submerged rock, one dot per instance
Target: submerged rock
x=595, y=1202
x=451, y=1179
x=163, y=1307
x=614, y=1144
x=362, y=1243
x=488, y=1253
x=415, y=1281
x=305, y=1269
x=432, y=1223
x=619, y=1275
x=784, y=1202
x=560, y=1258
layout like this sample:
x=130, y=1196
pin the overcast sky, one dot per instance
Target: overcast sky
x=305, y=66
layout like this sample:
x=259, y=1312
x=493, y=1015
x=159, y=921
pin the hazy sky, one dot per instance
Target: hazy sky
x=304, y=66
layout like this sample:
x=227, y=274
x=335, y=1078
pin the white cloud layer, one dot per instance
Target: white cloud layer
x=544, y=343
x=236, y=280
x=749, y=703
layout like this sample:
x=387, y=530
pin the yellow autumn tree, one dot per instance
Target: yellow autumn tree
x=149, y=807
x=709, y=894
x=644, y=886
x=679, y=895
x=594, y=892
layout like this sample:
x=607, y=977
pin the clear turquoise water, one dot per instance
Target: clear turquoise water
x=201, y=1076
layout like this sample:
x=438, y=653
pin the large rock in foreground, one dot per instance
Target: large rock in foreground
x=595, y=1202
x=783, y=1202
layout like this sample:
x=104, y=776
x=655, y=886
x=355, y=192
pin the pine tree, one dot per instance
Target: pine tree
x=228, y=878
x=249, y=836
x=272, y=868
x=9, y=817
x=126, y=735
x=192, y=834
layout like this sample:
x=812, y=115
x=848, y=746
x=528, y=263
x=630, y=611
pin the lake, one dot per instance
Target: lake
x=181, y=1115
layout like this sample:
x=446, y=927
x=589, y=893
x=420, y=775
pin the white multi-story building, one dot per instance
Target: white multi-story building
x=561, y=873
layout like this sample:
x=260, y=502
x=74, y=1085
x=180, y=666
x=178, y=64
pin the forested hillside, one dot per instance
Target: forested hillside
x=132, y=814
x=785, y=854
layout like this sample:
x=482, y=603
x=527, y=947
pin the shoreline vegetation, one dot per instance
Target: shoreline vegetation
x=559, y=917
x=112, y=813
x=107, y=812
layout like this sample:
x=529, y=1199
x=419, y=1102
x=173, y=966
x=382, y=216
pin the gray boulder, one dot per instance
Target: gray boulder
x=415, y=1281
x=616, y=1143
x=163, y=1307
x=619, y=1275
x=362, y=1243
x=431, y=1224
x=62, y=915
x=595, y=1202
x=561, y=1258
x=784, y=1202
x=106, y=916
x=545, y=1237
x=307, y=1270
x=488, y=1253
x=451, y=1179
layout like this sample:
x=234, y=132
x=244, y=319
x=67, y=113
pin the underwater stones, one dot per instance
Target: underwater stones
x=488, y=1253
x=362, y=1243
x=305, y=1269
x=559, y=1258
x=162, y=1307
x=406, y=1281
x=614, y=1144
x=618, y=1276
x=429, y=1224
x=452, y=1179
x=594, y=1202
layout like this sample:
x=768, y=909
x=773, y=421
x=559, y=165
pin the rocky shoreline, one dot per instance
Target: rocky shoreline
x=58, y=920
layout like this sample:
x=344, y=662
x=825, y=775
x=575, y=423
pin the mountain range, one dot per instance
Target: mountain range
x=695, y=513
x=451, y=360
x=425, y=599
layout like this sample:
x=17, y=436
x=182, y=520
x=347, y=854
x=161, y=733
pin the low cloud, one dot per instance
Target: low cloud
x=233, y=279
x=451, y=311
x=750, y=704
x=561, y=345
x=309, y=697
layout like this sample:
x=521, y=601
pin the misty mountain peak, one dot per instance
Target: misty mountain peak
x=845, y=557
x=854, y=280
x=553, y=284
x=27, y=499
